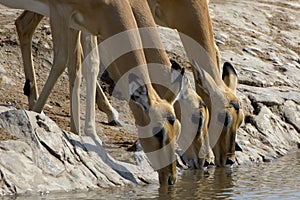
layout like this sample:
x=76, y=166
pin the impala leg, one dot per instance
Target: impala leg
x=75, y=75
x=26, y=23
x=104, y=105
x=208, y=154
x=91, y=64
x=62, y=40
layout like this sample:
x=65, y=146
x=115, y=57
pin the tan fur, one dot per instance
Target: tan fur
x=180, y=15
x=26, y=24
x=190, y=100
x=218, y=55
x=193, y=139
x=96, y=17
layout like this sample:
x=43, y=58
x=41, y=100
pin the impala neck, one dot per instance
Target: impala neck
x=192, y=21
x=201, y=32
x=153, y=48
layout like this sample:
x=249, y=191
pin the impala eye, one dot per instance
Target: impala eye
x=171, y=119
x=197, y=119
x=225, y=118
x=235, y=105
x=228, y=120
x=202, y=104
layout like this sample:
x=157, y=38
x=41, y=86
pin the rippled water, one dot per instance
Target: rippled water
x=275, y=180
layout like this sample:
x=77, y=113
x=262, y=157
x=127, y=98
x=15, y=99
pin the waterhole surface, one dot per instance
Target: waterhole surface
x=279, y=179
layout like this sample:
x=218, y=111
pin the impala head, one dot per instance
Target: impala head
x=193, y=114
x=226, y=114
x=233, y=117
x=158, y=128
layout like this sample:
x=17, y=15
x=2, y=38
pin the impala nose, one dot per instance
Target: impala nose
x=229, y=162
x=206, y=164
x=172, y=180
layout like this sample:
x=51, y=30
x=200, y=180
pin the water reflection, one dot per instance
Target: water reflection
x=216, y=183
x=275, y=180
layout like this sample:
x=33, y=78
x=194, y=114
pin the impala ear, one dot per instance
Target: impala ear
x=204, y=80
x=177, y=72
x=138, y=91
x=238, y=147
x=229, y=76
x=178, y=75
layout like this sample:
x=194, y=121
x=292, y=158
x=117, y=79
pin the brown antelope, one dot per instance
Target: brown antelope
x=219, y=91
x=26, y=23
x=189, y=107
x=155, y=118
x=194, y=115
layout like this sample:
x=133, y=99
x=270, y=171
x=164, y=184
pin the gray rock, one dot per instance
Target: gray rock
x=266, y=96
x=271, y=95
x=265, y=138
x=274, y=130
x=6, y=80
x=250, y=51
x=291, y=112
x=246, y=103
x=2, y=70
x=45, y=158
x=254, y=150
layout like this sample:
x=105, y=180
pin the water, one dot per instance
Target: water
x=276, y=180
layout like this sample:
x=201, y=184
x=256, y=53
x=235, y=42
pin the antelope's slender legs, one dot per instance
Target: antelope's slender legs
x=26, y=23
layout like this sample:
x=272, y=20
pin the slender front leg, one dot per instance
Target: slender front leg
x=75, y=75
x=104, y=105
x=26, y=23
x=91, y=64
x=62, y=40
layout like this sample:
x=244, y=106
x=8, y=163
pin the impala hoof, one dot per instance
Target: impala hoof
x=113, y=123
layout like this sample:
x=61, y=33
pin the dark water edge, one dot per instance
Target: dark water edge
x=279, y=179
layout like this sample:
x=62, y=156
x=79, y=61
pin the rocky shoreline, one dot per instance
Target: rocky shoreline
x=40, y=157
x=260, y=38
